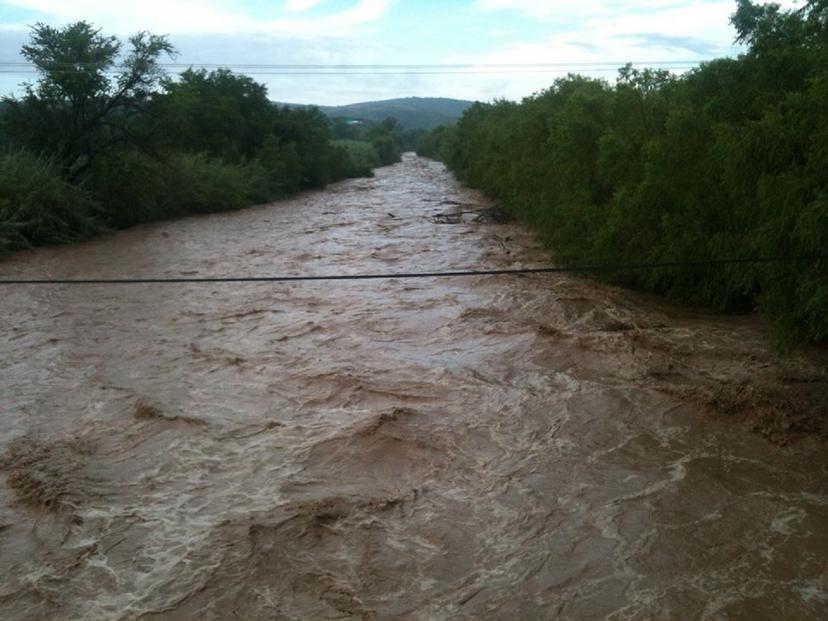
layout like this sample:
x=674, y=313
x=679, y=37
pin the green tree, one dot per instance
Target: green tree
x=86, y=100
x=728, y=160
x=220, y=113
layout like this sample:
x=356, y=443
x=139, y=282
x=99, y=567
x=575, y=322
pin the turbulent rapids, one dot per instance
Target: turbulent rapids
x=536, y=447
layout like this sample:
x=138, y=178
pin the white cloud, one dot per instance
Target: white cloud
x=584, y=10
x=609, y=33
x=668, y=33
x=570, y=8
x=298, y=6
x=580, y=31
x=203, y=16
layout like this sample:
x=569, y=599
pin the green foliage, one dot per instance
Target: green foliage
x=728, y=161
x=436, y=143
x=229, y=116
x=198, y=184
x=37, y=206
x=387, y=149
x=137, y=188
x=363, y=157
x=283, y=165
x=387, y=137
x=412, y=113
x=309, y=130
x=76, y=112
x=219, y=113
x=131, y=185
x=138, y=147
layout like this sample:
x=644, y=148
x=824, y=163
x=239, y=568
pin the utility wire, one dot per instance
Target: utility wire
x=374, y=73
x=373, y=65
x=26, y=68
x=410, y=275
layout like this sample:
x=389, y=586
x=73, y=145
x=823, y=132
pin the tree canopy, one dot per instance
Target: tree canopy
x=727, y=161
x=113, y=141
x=87, y=97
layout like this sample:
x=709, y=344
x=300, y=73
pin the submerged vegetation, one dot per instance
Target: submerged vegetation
x=727, y=161
x=106, y=140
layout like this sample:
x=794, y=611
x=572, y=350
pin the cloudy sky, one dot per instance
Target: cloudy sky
x=575, y=35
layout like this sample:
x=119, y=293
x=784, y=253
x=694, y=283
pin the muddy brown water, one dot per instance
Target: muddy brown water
x=484, y=448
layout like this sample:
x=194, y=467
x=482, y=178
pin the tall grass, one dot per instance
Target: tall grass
x=136, y=188
x=37, y=206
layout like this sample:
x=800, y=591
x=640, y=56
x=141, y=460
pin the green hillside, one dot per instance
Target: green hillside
x=411, y=112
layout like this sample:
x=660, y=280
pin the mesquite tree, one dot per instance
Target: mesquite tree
x=88, y=95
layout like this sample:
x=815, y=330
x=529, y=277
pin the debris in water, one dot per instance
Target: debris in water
x=146, y=412
x=45, y=475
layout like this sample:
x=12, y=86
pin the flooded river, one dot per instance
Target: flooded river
x=514, y=448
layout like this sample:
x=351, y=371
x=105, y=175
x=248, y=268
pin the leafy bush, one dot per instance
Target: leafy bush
x=435, y=143
x=37, y=206
x=197, y=183
x=130, y=184
x=283, y=165
x=362, y=157
x=387, y=149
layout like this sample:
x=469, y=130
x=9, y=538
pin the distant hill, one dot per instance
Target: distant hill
x=411, y=112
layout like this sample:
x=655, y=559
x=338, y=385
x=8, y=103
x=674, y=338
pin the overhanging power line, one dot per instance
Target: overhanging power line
x=411, y=275
x=265, y=69
x=345, y=66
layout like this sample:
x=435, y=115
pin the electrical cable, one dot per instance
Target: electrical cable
x=409, y=275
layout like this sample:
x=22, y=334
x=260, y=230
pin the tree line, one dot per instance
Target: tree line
x=727, y=161
x=380, y=143
x=105, y=139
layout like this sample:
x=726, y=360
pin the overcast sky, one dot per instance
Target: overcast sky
x=407, y=32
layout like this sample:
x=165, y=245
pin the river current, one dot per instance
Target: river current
x=521, y=448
